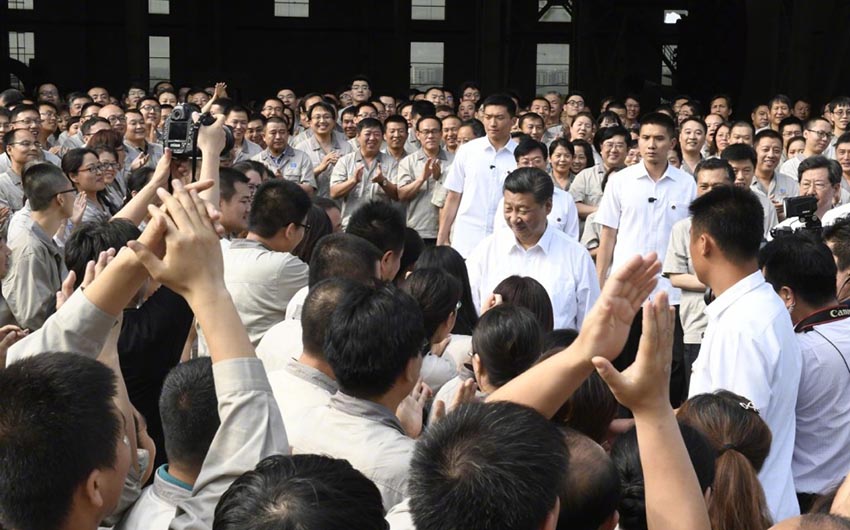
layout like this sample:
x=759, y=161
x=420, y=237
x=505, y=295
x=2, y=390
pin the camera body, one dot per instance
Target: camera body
x=181, y=132
x=804, y=208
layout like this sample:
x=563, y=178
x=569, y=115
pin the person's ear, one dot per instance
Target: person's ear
x=787, y=295
x=707, y=495
x=551, y=521
x=548, y=206
x=705, y=244
x=92, y=489
x=386, y=261
x=413, y=369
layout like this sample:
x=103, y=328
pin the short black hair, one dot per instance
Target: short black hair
x=767, y=133
x=590, y=492
x=437, y=292
x=58, y=423
x=561, y=142
x=379, y=223
x=321, y=105
x=527, y=146
x=319, y=305
x=508, y=341
x=500, y=100
x=660, y=119
x=626, y=456
x=227, y=179
x=838, y=235
x=819, y=162
x=301, y=491
x=606, y=133
x=42, y=182
x=525, y=291
x=396, y=118
x=369, y=123
x=790, y=120
x=739, y=153
x=91, y=238
x=422, y=108
x=779, y=98
x=343, y=255
x=531, y=180
x=371, y=337
x=712, y=163
x=188, y=407
x=277, y=204
x=487, y=466
x=320, y=226
x=413, y=247
x=734, y=217
x=530, y=116
x=803, y=264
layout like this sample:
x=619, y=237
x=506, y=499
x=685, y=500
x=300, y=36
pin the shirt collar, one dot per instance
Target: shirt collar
x=167, y=487
x=668, y=173
x=368, y=410
x=311, y=375
x=733, y=294
x=510, y=146
x=248, y=243
x=544, y=243
x=421, y=155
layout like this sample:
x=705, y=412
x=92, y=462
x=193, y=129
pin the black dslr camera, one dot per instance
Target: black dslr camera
x=181, y=133
x=803, y=208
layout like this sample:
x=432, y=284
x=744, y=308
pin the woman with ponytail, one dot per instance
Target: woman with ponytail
x=742, y=441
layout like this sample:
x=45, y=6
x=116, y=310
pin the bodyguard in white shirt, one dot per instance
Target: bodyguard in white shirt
x=637, y=213
x=475, y=181
x=564, y=214
x=749, y=346
x=802, y=272
x=533, y=247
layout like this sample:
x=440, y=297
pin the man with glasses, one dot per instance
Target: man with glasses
x=48, y=92
x=151, y=111
x=419, y=178
x=236, y=117
x=27, y=117
x=140, y=152
x=282, y=159
x=364, y=110
x=21, y=148
x=38, y=267
x=272, y=107
x=287, y=96
x=839, y=109
x=360, y=91
x=99, y=95
x=116, y=118
x=575, y=103
x=817, y=132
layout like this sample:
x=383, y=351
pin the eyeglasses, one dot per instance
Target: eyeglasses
x=430, y=132
x=110, y=165
x=29, y=121
x=272, y=109
x=48, y=93
x=94, y=168
x=821, y=134
x=26, y=144
x=117, y=119
x=842, y=113
x=305, y=226
x=369, y=115
x=72, y=190
x=138, y=93
x=149, y=108
x=574, y=103
x=49, y=114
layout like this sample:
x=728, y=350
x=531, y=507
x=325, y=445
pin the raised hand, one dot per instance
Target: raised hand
x=93, y=270
x=409, y=411
x=465, y=394
x=140, y=161
x=358, y=173
x=645, y=385
x=80, y=204
x=379, y=176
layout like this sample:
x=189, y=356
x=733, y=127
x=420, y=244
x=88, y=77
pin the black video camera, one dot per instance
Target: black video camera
x=804, y=208
x=181, y=133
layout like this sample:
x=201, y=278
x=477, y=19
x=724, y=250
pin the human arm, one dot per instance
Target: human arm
x=342, y=183
x=688, y=282
x=605, y=253
x=410, y=185
x=381, y=180
x=447, y=217
x=546, y=386
x=329, y=159
x=585, y=209
x=136, y=210
x=211, y=140
x=219, y=91
x=673, y=496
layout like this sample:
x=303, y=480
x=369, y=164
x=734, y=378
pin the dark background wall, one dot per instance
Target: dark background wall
x=751, y=49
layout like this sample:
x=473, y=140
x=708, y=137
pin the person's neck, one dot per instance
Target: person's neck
x=803, y=310
x=655, y=170
x=136, y=142
x=561, y=178
x=451, y=149
x=187, y=474
x=43, y=136
x=271, y=242
x=726, y=274
x=308, y=359
x=532, y=240
x=238, y=142
x=49, y=220
x=79, y=519
x=397, y=153
x=431, y=152
x=500, y=142
x=17, y=167
x=392, y=399
x=323, y=137
x=764, y=176
x=275, y=152
x=692, y=158
x=368, y=155
x=808, y=152
x=846, y=177
x=822, y=211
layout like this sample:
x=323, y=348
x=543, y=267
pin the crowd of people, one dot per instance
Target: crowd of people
x=442, y=310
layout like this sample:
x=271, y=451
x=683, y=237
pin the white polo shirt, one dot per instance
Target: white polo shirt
x=478, y=172
x=643, y=212
x=821, y=458
x=558, y=262
x=564, y=214
x=749, y=348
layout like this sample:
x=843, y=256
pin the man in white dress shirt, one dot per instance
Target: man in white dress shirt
x=637, y=213
x=802, y=273
x=749, y=346
x=533, y=247
x=475, y=181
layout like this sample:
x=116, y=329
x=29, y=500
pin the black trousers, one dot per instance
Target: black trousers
x=678, y=385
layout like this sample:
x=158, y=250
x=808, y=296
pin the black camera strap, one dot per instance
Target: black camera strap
x=824, y=316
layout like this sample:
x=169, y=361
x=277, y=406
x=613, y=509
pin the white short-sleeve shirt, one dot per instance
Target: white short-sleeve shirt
x=644, y=211
x=478, y=172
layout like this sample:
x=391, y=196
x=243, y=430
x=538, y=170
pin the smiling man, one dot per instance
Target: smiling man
x=534, y=247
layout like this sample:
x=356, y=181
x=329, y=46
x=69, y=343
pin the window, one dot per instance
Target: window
x=21, y=48
x=553, y=68
x=159, y=7
x=428, y=10
x=20, y=4
x=670, y=52
x=159, y=53
x=671, y=16
x=556, y=12
x=426, y=64
x=292, y=8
